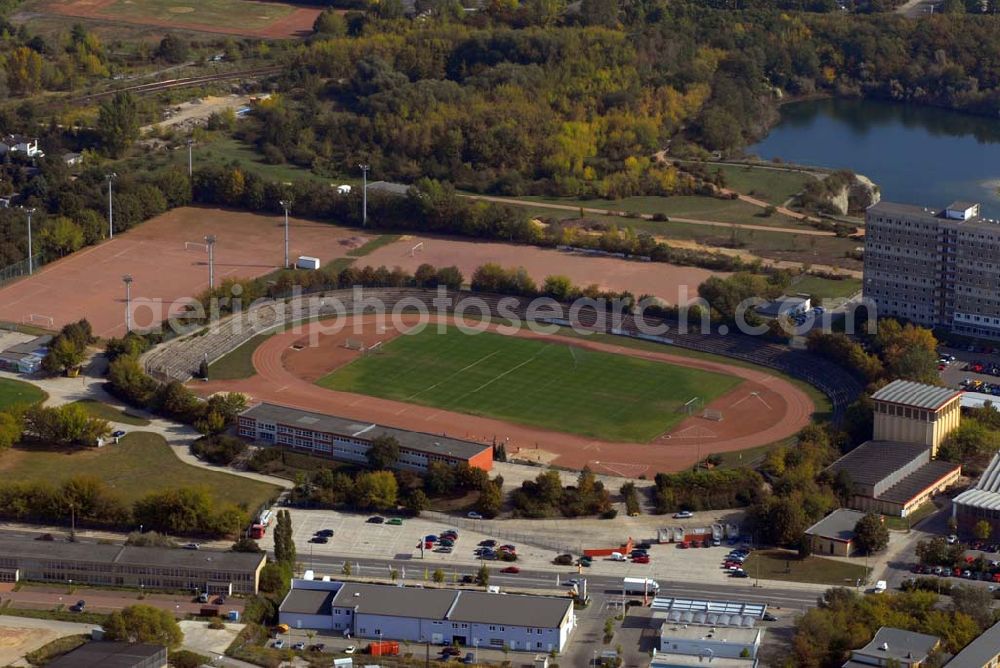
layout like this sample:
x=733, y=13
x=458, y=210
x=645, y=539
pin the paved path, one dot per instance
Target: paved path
x=178, y=436
x=673, y=219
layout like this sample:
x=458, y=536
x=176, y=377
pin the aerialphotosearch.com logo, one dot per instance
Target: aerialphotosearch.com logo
x=411, y=310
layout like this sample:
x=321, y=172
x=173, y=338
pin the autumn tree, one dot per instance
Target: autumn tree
x=871, y=534
x=143, y=624
x=383, y=453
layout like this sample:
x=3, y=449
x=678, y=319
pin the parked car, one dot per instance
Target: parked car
x=473, y=515
x=488, y=543
x=739, y=574
x=468, y=579
x=641, y=559
x=768, y=617
x=79, y=606
x=326, y=533
x=683, y=515
x=299, y=646
x=118, y=433
x=513, y=570
x=376, y=520
x=431, y=538
x=395, y=521
x=444, y=549
x=572, y=582
x=683, y=545
x=279, y=644
x=318, y=647
x=564, y=560
x=450, y=650
x=319, y=539
x=350, y=649
x=192, y=546
x=469, y=658
x=220, y=599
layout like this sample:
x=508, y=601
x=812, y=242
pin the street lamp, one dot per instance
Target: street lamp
x=127, y=280
x=210, y=242
x=31, y=262
x=286, y=205
x=364, y=194
x=190, y=143
x=110, y=176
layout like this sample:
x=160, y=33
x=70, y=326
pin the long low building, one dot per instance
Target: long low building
x=127, y=566
x=339, y=438
x=438, y=616
x=980, y=502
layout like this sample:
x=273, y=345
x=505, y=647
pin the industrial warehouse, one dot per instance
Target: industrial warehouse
x=436, y=616
x=347, y=440
x=128, y=566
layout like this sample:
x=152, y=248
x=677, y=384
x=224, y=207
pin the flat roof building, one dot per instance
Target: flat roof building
x=101, y=654
x=980, y=502
x=344, y=439
x=911, y=412
x=934, y=267
x=128, y=566
x=438, y=616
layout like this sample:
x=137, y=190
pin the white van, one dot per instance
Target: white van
x=880, y=587
x=617, y=556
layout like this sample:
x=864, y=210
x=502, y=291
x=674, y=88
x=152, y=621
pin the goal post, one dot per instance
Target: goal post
x=691, y=406
x=417, y=248
x=713, y=414
x=39, y=319
x=374, y=349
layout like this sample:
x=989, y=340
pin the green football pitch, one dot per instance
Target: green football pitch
x=531, y=381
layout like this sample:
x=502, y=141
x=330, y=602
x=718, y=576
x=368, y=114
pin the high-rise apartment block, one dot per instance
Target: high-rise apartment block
x=935, y=268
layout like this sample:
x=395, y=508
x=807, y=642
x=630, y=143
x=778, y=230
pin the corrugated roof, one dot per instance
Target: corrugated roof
x=913, y=485
x=986, y=493
x=838, y=525
x=872, y=461
x=980, y=651
x=917, y=395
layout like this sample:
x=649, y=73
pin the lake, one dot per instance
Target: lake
x=917, y=155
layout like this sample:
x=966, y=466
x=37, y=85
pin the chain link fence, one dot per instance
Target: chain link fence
x=16, y=270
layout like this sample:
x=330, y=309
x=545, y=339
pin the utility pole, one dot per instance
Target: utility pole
x=31, y=261
x=110, y=176
x=210, y=242
x=364, y=194
x=127, y=280
x=190, y=143
x=286, y=205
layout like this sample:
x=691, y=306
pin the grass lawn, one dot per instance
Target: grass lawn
x=140, y=464
x=904, y=523
x=14, y=392
x=110, y=413
x=226, y=151
x=683, y=206
x=238, y=363
x=373, y=245
x=540, y=383
x=771, y=185
x=824, y=288
x=251, y=15
x=785, y=565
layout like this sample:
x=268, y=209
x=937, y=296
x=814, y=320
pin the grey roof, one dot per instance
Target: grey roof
x=395, y=601
x=30, y=346
x=308, y=601
x=918, y=395
x=108, y=655
x=899, y=645
x=838, y=525
x=986, y=493
x=126, y=554
x=872, y=461
x=980, y=651
x=510, y=609
x=961, y=205
x=391, y=188
x=912, y=485
x=414, y=440
x=452, y=604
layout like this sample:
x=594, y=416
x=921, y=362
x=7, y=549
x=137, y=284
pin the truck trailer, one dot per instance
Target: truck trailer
x=640, y=586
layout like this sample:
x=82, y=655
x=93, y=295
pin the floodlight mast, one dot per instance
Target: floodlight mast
x=286, y=205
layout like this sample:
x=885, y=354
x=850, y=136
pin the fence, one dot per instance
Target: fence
x=18, y=269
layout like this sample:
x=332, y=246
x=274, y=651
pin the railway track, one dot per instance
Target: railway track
x=168, y=84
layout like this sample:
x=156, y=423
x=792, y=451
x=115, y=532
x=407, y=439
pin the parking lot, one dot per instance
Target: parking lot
x=356, y=541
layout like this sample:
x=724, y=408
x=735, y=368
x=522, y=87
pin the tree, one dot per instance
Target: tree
x=69, y=424
x=244, y=544
x=417, y=502
x=982, y=530
x=383, y=453
x=173, y=49
x=976, y=602
x=438, y=576
x=64, y=354
x=871, y=534
x=11, y=428
x=376, y=490
x=143, y=624
x=118, y=123
x=330, y=23
x=284, y=544
x=60, y=238
x=483, y=576
x=490, y=501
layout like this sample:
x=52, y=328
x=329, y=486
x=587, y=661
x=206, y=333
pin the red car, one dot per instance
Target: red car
x=428, y=545
x=641, y=559
x=683, y=546
x=510, y=569
x=957, y=572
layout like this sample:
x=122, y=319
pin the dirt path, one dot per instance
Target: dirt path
x=672, y=219
x=762, y=410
